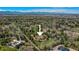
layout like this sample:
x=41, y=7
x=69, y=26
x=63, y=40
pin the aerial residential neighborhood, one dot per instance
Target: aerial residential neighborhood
x=39, y=30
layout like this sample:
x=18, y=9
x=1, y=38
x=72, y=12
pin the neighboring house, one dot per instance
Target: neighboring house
x=15, y=43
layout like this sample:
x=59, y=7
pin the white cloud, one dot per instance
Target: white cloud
x=46, y=10
x=52, y=10
x=41, y=10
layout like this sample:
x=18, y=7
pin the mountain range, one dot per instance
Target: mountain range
x=29, y=13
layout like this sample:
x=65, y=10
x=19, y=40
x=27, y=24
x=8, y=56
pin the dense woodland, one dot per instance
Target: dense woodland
x=19, y=32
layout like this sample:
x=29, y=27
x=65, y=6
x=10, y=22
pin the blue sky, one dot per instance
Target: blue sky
x=74, y=10
x=30, y=8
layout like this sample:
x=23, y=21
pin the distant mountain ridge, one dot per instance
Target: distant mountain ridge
x=28, y=13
